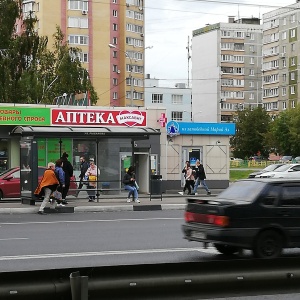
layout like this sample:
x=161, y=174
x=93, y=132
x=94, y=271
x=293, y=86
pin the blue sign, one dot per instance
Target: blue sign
x=176, y=128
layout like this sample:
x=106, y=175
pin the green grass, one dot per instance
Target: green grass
x=239, y=174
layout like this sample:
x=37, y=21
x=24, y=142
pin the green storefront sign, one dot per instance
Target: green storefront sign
x=31, y=116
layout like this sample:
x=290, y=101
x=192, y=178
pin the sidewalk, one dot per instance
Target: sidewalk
x=107, y=203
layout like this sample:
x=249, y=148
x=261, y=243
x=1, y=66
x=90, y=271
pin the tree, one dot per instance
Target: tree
x=252, y=127
x=29, y=71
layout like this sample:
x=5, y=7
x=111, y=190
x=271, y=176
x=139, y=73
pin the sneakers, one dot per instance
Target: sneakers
x=64, y=201
x=137, y=201
x=196, y=194
x=40, y=212
x=60, y=204
x=180, y=193
x=209, y=192
x=128, y=200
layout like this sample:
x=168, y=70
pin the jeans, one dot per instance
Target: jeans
x=91, y=190
x=132, y=190
x=202, y=182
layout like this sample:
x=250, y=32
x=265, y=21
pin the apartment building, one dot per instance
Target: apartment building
x=226, y=70
x=176, y=100
x=110, y=34
x=280, y=58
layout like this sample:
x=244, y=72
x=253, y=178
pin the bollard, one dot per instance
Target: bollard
x=79, y=286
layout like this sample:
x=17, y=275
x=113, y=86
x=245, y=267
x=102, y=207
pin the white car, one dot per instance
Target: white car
x=285, y=171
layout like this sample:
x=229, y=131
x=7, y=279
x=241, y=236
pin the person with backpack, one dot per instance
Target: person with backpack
x=60, y=174
x=68, y=169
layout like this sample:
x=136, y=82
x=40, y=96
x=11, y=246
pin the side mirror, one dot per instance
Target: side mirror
x=8, y=178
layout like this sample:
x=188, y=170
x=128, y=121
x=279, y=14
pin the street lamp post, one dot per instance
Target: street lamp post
x=130, y=71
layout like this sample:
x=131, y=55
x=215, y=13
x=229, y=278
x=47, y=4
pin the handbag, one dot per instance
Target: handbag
x=56, y=195
x=136, y=185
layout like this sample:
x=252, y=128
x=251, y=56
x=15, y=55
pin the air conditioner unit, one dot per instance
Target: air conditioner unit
x=84, y=12
x=140, y=8
x=282, y=55
x=127, y=4
x=118, y=71
x=142, y=35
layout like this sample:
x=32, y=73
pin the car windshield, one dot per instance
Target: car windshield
x=271, y=168
x=6, y=171
x=242, y=191
x=283, y=168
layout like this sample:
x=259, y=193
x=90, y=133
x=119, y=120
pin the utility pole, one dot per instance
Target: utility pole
x=188, y=57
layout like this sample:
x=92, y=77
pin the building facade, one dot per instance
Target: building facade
x=280, y=58
x=226, y=70
x=177, y=101
x=117, y=74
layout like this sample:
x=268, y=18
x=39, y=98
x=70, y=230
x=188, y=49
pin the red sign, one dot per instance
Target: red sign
x=163, y=120
x=94, y=117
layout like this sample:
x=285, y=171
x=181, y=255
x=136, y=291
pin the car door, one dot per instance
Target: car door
x=11, y=186
x=289, y=211
x=293, y=172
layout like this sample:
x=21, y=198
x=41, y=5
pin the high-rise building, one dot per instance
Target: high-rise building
x=280, y=58
x=226, y=72
x=110, y=34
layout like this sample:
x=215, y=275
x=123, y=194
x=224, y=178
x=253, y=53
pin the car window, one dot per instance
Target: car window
x=290, y=196
x=271, y=167
x=271, y=195
x=296, y=168
x=283, y=168
x=242, y=191
x=16, y=174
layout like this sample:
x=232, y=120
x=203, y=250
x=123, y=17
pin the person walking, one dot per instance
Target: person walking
x=200, y=178
x=46, y=187
x=68, y=169
x=184, y=171
x=84, y=165
x=92, y=174
x=130, y=185
x=60, y=175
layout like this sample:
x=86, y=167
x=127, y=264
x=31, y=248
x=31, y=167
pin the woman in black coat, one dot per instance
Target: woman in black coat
x=68, y=169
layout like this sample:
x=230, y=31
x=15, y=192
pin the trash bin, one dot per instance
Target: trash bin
x=156, y=186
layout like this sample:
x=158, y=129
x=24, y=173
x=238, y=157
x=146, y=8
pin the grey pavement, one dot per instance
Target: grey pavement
x=106, y=203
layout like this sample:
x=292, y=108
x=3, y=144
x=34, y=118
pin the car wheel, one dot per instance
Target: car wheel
x=226, y=249
x=268, y=244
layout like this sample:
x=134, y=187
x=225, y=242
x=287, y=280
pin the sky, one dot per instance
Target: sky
x=169, y=25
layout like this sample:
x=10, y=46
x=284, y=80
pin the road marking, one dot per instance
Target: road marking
x=90, y=221
x=106, y=253
x=12, y=239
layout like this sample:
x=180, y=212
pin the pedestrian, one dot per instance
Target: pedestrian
x=200, y=178
x=68, y=169
x=130, y=185
x=84, y=165
x=184, y=170
x=61, y=176
x=46, y=187
x=92, y=174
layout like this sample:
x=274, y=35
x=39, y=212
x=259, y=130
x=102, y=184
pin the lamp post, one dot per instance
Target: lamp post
x=130, y=71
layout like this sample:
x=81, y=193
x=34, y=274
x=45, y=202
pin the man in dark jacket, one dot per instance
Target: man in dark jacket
x=68, y=169
x=83, y=168
x=200, y=177
x=129, y=185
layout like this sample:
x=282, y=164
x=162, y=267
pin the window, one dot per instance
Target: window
x=115, y=54
x=293, y=47
x=293, y=33
x=251, y=72
x=176, y=115
x=115, y=1
x=251, y=83
x=290, y=196
x=283, y=35
x=292, y=75
x=293, y=104
x=293, y=61
x=284, y=77
x=293, y=18
x=252, y=60
x=284, y=63
x=251, y=48
x=78, y=39
x=78, y=5
x=115, y=41
x=115, y=95
x=283, y=49
x=292, y=89
x=78, y=22
x=115, y=27
x=157, y=98
x=115, y=13
x=284, y=91
x=177, y=99
x=284, y=105
x=251, y=96
x=284, y=21
x=115, y=68
x=115, y=81
x=252, y=36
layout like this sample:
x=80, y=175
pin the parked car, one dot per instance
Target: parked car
x=261, y=215
x=10, y=182
x=267, y=169
x=285, y=171
x=297, y=159
x=286, y=159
